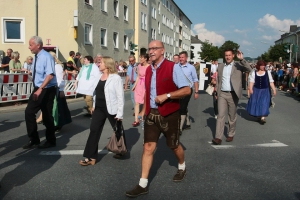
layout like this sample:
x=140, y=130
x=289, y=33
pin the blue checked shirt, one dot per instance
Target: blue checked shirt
x=178, y=78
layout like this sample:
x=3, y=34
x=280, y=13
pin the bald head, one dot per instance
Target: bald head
x=156, y=51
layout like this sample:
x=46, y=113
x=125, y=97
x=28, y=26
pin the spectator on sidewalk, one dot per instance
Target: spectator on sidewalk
x=6, y=60
x=15, y=64
x=27, y=67
x=69, y=68
x=77, y=61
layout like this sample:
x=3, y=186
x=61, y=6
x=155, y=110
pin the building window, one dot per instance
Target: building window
x=144, y=2
x=104, y=5
x=116, y=40
x=13, y=30
x=153, y=12
x=125, y=13
x=89, y=2
x=88, y=34
x=143, y=21
x=158, y=28
x=103, y=37
x=116, y=8
x=125, y=42
x=158, y=7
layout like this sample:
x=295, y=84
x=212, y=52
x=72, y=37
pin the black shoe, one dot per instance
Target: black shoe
x=46, y=145
x=180, y=132
x=187, y=127
x=31, y=145
x=179, y=175
x=137, y=191
x=57, y=129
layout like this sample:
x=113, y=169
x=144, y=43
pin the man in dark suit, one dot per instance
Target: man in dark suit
x=229, y=91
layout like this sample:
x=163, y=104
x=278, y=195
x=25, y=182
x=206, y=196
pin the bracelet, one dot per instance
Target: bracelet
x=196, y=92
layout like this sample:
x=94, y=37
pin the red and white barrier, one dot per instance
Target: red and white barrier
x=19, y=86
x=15, y=87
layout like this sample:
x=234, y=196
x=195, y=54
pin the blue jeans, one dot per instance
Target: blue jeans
x=132, y=95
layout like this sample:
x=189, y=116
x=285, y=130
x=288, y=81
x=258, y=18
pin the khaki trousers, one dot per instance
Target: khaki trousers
x=227, y=102
x=89, y=102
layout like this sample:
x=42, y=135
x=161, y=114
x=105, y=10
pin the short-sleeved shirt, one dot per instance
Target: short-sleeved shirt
x=190, y=73
x=129, y=72
x=6, y=60
x=14, y=65
x=71, y=59
x=45, y=65
x=178, y=78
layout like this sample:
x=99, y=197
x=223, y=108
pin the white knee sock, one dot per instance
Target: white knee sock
x=182, y=121
x=181, y=166
x=188, y=122
x=143, y=182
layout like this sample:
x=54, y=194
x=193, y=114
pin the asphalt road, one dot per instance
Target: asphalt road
x=261, y=163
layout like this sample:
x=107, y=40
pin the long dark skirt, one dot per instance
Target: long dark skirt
x=259, y=102
x=61, y=112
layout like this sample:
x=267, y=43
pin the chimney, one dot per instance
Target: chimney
x=293, y=28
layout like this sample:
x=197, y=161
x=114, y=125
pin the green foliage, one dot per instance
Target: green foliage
x=277, y=51
x=208, y=51
x=228, y=45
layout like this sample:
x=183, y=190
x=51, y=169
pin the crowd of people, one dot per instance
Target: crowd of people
x=160, y=93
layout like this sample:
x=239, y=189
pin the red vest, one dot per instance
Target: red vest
x=164, y=85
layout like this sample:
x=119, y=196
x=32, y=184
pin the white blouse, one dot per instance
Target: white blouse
x=252, y=76
x=59, y=72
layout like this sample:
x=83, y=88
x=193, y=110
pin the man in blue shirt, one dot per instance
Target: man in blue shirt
x=5, y=61
x=191, y=76
x=41, y=98
x=131, y=77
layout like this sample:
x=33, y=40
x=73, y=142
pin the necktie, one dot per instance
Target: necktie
x=132, y=75
x=34, y=70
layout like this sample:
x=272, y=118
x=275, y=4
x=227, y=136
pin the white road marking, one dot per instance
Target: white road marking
x=68, y=152
x=274, y=143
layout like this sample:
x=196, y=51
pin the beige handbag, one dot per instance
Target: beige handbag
x=210, y=89
x=117, y=142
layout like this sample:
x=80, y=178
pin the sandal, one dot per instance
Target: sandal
x=87, y=162
x=118, y=156
x=136, y=124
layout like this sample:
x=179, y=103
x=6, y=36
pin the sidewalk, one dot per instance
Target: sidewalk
x=9, y=107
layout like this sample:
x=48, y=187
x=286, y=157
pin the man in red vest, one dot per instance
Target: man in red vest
x=165, y=85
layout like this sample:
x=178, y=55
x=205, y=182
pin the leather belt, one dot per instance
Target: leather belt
x=227, y=91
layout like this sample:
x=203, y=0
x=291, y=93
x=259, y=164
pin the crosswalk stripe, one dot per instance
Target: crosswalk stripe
x=274, y=143
x=68, y=152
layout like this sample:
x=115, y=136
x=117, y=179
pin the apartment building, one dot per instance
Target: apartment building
x=94, y=26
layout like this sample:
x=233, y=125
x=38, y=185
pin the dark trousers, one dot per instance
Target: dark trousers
x=184, y=102
x=215, y=102
x=98, y=120
x=44, y=103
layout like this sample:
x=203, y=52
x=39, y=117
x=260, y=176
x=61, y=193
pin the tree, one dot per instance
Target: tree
x=208, y=51
x=277, y=51
x=265, y=57
x=228, y=45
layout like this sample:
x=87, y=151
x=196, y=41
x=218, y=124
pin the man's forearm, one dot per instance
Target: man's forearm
x=196, y=84
x=47, y=81
x=182, y=92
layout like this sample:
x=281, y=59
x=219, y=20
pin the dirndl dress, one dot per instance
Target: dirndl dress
x=259, y=102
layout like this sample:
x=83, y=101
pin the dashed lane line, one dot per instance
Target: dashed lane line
x=68, y=152
x=273, y=143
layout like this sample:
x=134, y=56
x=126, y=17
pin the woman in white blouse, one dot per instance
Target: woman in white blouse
x=108, y=104
x=261, y=82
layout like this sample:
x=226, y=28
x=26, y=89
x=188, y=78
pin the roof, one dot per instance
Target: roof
x=181, y=11
x=195, y=40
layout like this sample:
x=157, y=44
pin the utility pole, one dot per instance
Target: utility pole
x=291, y=45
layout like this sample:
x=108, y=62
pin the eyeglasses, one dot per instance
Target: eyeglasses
x=154, y=48
x=131, y=60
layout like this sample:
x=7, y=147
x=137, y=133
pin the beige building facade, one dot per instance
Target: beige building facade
x=94, y=26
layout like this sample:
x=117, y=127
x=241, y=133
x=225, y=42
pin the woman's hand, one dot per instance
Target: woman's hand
x=92, y=111
x=250, y=90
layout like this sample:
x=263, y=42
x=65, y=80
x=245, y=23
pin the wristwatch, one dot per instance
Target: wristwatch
x=196, y=92
x=169, y=95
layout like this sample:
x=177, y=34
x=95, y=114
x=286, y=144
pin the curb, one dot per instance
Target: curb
x=7, y=107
